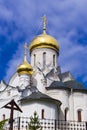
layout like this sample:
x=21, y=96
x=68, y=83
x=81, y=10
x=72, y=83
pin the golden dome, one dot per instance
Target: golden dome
x=44, y=40
x=25, y=68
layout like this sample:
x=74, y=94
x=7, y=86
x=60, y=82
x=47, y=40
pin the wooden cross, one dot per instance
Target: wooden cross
x=13, y=106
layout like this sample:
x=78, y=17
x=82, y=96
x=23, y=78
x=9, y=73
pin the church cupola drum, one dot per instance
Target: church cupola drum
x=25, y=68
x=44, y=47
x=25, y=71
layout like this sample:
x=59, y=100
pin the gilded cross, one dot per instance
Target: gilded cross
x=25, y=48
x=44, y=23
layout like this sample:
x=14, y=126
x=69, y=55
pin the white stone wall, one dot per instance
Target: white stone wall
x=50, y=109
x=5, y=111
x=39, y=56
x=14, y=80
x=24, y=80
x=80, y=103
x=73, y=101
x=38, y=82
x=61, y=95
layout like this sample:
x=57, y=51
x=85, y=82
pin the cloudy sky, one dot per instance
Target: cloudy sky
x=21, y=21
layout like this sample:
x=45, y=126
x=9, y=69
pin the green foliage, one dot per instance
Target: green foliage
x=34, y=123
x=2, y=124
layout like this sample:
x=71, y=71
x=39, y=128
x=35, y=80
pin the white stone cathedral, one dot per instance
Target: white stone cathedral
x=41, y=86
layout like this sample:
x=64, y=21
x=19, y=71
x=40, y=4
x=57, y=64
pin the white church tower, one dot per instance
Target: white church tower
x=44, y=52
x=44, y=49
x=25, y=71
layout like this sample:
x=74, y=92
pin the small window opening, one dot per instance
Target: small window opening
x=9, y=93
x=53, y=60
x=34, y=59
x=79, y=115
x=42, y=114
x=3, y=117
x=44, y=59
x=66, y=110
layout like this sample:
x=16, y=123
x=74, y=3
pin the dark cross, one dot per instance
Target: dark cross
x=13, y=106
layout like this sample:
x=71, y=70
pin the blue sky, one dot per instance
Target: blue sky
x=20, y=22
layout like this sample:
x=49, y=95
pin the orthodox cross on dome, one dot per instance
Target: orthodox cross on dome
x=25, y=48
x=44, y=23
x=25, y=51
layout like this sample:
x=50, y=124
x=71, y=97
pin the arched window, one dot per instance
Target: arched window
x=53, y=60
x=66, y=110
x=79, y=114
x=42, y=114
x=34, y=59
x=44, y=59
x=8, y=93
x=3, y=117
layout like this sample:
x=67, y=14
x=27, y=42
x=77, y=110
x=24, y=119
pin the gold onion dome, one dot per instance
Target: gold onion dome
x=44, y=40
x=25, y=68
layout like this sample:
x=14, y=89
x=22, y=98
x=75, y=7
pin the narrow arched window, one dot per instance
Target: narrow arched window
x=42, y=114
x=79, y=114
x=8, y=93
x=44, y=59
x=3, y=117
x=34, y=59
x=66, y=110
x=53, y=60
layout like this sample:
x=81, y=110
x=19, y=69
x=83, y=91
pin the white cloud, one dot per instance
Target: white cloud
x=73, y=58
x=65, y=19
x=5, y=13
x=16, y=60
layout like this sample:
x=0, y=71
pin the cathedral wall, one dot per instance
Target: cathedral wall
x=14, y=80
x=24, y=80
x=80, y=103
x=43, y=55
x=49, y=108
x=5, y=98
x=6, y=112
x=9, y=94
x=38, y=80
x=61, y=95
